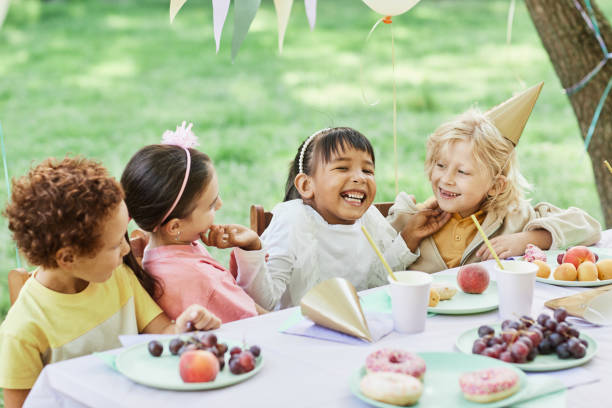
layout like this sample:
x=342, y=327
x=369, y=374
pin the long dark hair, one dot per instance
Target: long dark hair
x=321, y=148
x=153, y=178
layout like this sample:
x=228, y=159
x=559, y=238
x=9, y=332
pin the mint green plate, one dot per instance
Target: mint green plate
x=163, y=372
x=549, y=362
x=441, y=381
x=465, y=303
x=551, y=260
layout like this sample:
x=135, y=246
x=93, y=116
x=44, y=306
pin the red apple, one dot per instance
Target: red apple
x=198, y=366
x=473, y=278
x=577, y=255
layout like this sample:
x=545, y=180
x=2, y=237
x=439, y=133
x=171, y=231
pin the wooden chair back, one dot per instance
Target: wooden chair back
x=138, y=242
x=18, y=276
x=260, y=219
x=16, y=279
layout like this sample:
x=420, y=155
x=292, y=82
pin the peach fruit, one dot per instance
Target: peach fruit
x=198, y=366
x=604, y=269
x=587, y=271
x=566, y=271
x=577, y=255
x=543, y=269
x=473, y=278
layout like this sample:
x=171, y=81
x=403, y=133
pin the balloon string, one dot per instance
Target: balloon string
x=509, y=23
x=8, y=185
x=591, y=22
x=600, y=105
x=363, y=92
x=394, y=112
x=386, y=20
x=582, y=83
x=604, y=49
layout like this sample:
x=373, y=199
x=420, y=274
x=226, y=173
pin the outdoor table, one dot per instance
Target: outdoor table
x=301, y=371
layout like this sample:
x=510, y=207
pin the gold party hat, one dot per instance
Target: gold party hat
x=334, y=304
x=511, y=116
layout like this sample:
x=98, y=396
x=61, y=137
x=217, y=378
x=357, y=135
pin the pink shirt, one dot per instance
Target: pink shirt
x=190, y=275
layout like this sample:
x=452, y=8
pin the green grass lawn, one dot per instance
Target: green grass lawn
x=103, y=78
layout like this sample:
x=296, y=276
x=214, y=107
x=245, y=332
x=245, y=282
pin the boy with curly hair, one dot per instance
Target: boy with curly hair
x=68, y=218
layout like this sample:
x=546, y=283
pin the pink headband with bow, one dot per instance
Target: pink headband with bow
x=182, y=137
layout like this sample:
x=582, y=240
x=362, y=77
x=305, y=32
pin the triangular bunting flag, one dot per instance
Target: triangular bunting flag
x=283, y=11
x=244, y=13
x=4, y=5
x=220, y=8
x=175, y=6
x=311, y=12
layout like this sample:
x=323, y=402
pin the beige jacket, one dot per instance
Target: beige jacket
x=568, y=228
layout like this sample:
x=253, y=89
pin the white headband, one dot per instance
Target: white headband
x=305, y=145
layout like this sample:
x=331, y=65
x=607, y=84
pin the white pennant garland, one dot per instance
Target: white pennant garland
x=311, y=12
x=4, y=5
x=175, y=6
x=220, y=8
x=283, y=11
x=245, y=12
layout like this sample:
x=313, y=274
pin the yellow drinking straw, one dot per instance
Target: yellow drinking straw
x=608, y=166
x=380, y=255
x=486, y=240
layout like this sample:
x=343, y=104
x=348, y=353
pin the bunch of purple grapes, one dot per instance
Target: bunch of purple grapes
x=521, y=341
x=204, y=341
x=241, y=361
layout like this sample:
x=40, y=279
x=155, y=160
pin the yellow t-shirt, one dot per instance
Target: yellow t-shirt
x=45, y=326
x=454, y=237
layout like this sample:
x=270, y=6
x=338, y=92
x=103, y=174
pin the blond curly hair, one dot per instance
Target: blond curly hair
x=493, y=153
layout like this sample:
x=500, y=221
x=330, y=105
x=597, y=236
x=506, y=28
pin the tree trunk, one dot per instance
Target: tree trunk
x=574, y=52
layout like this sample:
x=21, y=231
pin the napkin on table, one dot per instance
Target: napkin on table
x=540, y=392
x=380, y=324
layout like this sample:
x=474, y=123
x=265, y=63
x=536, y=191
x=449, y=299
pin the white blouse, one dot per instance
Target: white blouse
x=304, y=250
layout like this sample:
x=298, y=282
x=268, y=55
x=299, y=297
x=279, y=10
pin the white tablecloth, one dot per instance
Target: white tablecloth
x=301, y=371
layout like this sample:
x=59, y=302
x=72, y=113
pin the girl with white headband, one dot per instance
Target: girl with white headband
x=172, y=192
x=316, y=233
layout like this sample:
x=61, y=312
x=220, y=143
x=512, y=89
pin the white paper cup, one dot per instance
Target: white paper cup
x=515, y=287
x=409, y=300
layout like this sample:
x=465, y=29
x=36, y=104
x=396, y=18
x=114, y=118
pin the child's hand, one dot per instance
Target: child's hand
x=232, y=235
x=423, y=223
x=196, y=317
x=509, y=245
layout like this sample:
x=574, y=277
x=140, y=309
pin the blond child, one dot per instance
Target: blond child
x=315, y=234
x=172, y=192
x=69, y=219
x=472, y=166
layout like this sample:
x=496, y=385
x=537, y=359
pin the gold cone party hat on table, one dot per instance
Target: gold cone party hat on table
x=511, y=116
x=334, y=304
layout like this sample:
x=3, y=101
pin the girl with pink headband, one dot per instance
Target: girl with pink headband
x=172, y=192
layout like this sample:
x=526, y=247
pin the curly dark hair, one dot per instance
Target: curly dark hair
x=60, y=204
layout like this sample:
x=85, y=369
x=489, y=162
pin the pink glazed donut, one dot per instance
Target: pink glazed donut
x=396, y=361
x=489, y=385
